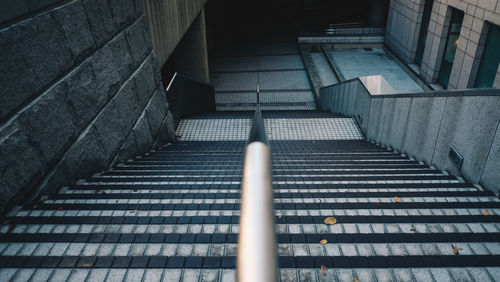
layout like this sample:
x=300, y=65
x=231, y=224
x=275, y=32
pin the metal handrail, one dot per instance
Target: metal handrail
x=257, y=255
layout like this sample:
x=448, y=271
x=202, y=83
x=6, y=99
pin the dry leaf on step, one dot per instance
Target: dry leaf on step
x=356, y=279
x=324, y=241
x=485, y=212
x=456, y=249
x=11, y=227
x=133, y=211
x=323, y=269
x=397, y=199
x=330, y=220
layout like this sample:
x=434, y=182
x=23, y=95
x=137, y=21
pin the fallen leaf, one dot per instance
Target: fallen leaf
x=456, y=249
x=6, y=222
x=60, y=208
x=117, y=201
x=133, y=211
x=413, y=228
x=397, y=199
x=323, y=269
x=150, y=191
x=324, y=241
x=378, y=205
x=356, y=279
x=330, y=220
x=135, y=190
x=485, y=212
x=11, y=227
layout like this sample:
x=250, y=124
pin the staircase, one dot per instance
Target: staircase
x=173, y=213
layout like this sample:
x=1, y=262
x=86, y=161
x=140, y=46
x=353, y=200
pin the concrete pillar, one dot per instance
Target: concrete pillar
x=191, y=56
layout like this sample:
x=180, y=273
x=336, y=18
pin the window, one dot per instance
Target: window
x=422, y=37
x=490, y=59
x=450, y=47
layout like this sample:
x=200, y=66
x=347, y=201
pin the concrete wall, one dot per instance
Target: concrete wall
x=425, y=125
x=169, y=20
x=81, y=91
x=404, y=25
x=191, y=56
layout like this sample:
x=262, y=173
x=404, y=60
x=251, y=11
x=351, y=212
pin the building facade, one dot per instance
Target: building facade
x=451, y=44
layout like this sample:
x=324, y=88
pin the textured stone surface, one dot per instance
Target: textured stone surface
x=423, y=127
x=395, y=122
x=108, y=17
x=82, y=159
x=138, y=40
x=37, y=4
x=111, y=66
x=78, y=74
x=11, y=9
x=166, y=132
x=469, y=123
x=61, y=113
x=157, y=109
x=145, y=82
x=142, y=134
x=19, y=162
x=491, y=177
x=25, y=47
x=116, y=120
x=49, y=123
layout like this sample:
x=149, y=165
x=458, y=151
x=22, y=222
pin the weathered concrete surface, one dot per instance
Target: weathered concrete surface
x=395, y=112
x=423, y=125
x=491, y=175
x=427, y=125
x=469, y=124
x=78, y=80
x=168, y=21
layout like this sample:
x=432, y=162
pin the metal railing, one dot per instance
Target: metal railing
x=189, y=97
x=257, y=260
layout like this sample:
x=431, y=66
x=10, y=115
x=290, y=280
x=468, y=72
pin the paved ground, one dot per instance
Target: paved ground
x=272, y=63
x=276, y=128
x=354, y=63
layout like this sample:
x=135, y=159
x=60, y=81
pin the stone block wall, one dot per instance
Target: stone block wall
x=81, y=91
x=404, y=25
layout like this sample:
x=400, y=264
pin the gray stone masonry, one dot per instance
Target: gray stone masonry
x=81, y=90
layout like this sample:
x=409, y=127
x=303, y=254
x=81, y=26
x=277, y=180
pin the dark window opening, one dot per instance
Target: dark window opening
x=490, y=59
x=450, y=48
x=424, y=27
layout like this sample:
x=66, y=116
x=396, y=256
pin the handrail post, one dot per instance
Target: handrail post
x=258, y=94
